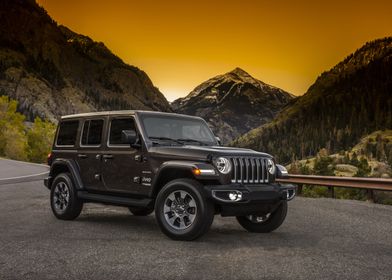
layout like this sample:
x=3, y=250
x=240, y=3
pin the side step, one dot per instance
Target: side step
x=114, y=200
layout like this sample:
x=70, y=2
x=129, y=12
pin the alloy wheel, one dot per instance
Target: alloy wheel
x=61, y=197
x=180, y=209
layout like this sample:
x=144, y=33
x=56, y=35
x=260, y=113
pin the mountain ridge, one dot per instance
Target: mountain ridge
x=53, y=71
x=345, y=103
x=233, y=103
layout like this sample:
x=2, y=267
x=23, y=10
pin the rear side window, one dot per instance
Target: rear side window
x=67, y=133
x=92, y=132
x=117, y=126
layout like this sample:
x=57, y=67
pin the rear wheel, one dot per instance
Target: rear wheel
x=264, y=223
x=140, y=211
x=182, y=211
x=63, y=198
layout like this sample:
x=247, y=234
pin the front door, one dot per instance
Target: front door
x=121, y=164
x=89, y=154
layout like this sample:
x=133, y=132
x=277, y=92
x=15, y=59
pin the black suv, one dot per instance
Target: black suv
x=169, y=163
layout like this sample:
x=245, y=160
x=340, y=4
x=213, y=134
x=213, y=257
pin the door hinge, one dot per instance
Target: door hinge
x=140, y=158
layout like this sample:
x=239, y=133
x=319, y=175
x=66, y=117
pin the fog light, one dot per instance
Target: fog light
x=290, y=194
x=235, y=196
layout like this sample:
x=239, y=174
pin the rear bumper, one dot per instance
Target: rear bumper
x=48, y=182
x=239, y=199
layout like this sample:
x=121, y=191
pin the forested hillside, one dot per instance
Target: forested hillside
x=53, y=71
x=346, y=103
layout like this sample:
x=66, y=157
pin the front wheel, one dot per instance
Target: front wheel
x=182, y=211
x=264, y=223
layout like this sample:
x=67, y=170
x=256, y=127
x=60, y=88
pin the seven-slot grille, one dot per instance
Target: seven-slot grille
x=249, y=170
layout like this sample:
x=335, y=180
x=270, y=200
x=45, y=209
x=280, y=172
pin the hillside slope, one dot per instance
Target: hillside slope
x=346, y=103
x=233, y=103
x=53, y=71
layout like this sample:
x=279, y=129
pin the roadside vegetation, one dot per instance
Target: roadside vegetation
x=372, y=157
x=23, y=140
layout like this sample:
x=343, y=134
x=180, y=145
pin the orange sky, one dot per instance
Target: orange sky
x=183, y=43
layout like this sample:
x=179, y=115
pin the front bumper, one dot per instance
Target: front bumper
x=240, y=199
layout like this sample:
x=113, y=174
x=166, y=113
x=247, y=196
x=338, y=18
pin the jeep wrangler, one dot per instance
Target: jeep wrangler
x=168, y=163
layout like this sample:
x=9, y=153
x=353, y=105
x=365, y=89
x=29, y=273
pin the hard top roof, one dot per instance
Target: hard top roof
x=120, y=113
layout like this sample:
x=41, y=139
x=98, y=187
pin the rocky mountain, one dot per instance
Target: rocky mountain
x=349, y=101
x=53, y=71
x=233, y=103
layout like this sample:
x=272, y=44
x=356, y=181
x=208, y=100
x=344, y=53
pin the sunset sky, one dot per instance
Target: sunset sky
x=180, y=44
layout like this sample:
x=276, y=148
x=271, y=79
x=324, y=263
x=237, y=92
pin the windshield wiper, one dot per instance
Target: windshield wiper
x=191, y=140
x=165, y=138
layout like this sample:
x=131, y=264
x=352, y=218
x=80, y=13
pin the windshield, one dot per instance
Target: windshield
x=177, y=130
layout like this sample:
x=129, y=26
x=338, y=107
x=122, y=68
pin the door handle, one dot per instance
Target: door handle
x=107, y=156
x=82, y=156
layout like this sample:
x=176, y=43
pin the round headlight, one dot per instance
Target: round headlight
x=271, y=166
x=223, y=165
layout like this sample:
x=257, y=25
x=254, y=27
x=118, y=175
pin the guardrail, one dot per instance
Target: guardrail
x=368, y=184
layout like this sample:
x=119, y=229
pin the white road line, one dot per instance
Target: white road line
x=25, y=162
x=25, y=176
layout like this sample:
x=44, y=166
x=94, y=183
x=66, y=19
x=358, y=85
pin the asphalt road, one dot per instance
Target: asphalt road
x=320, y=239
x=13, y=171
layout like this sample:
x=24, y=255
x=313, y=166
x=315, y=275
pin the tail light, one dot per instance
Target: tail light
x=49, y=159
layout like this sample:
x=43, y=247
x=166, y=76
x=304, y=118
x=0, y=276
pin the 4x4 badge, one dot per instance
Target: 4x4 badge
x=136, y=180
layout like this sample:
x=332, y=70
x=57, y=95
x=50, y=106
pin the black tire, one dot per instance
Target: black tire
x=198, y=210
x=72, y=208
x=274, y=220
x=140, y=211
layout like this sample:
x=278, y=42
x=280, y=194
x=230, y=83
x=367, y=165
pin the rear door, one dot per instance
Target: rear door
x=65, y=145
x=122, y=164
x=89, y=153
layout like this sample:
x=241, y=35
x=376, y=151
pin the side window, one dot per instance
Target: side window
x=67, y=133
x=92, y=133
x=117, y=126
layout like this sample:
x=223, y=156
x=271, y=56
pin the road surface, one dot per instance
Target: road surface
x=320, y=239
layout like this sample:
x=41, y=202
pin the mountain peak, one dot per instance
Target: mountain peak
x=239, y=71
x=233, y=103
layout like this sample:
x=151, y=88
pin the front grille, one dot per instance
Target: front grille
x=249, y=170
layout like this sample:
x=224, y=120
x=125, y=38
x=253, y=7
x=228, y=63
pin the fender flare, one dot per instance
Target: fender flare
x=73, y=169
x=183, y=165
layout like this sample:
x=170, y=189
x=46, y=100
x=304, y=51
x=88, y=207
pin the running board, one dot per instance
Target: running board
x=114, y=200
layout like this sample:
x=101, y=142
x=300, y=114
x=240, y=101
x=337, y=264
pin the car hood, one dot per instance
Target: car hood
x=193, y=152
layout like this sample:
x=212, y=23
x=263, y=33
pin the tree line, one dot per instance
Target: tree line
x=333, y=114
x=21, y=140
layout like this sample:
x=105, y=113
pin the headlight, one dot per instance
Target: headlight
x=223, y=165
x=271, y=166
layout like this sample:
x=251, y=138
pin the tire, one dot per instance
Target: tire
x=182, y=211
x=272, y=222
x=63, y=198
x=140, y=211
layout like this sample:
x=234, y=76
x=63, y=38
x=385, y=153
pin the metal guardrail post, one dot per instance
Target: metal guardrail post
x=370, y=195
x=331, y=192
x=299, y=189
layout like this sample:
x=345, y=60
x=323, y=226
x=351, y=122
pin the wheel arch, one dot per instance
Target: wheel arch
x=65, y=165
x=172, y=170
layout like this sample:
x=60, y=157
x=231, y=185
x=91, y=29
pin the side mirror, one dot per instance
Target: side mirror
x=129, y=137
x=218, y=140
